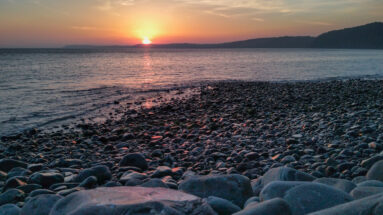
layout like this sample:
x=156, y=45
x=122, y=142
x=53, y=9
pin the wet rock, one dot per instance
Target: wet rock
x=88, y=183
x=235, y=188
x=40, y=192
x=9, y=209
x=222, y=206
x=162, y=171
x=364, y=191
x=312, y=197
x=7, y=164
x=11, y=196
x=131, y=200
x=280, y=174
x=18, y=171
x=40, y=205
x=66, y=163
x=46, y=179
x=277, y=189
x=341, y=184
x=376, y=171
x=367, y=163
x=13, y=183
x=372, y=205
x=155, y=182
x=252, y=200
x=132, y=176
x=35, y=167
x=134, y=159
x=370, y=183
x=275, y=206
x=29, y=187
x=101, y=172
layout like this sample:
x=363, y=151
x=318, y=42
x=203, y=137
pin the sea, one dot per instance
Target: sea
x=41, y=88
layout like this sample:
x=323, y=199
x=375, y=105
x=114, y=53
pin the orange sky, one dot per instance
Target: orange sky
x=54, y=23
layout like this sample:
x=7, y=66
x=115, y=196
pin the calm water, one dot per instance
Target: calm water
x=39, y=87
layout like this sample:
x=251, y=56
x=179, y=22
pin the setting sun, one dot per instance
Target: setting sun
x=146, y=41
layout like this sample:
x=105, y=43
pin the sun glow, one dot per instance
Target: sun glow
x=146, y=41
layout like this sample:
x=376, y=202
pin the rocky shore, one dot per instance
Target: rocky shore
x=234, y=148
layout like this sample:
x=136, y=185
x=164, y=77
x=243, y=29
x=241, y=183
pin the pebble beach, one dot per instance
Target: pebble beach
x=294, y=148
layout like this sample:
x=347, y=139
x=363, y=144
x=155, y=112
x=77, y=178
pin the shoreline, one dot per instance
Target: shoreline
x=324, y=129
x=247, y=105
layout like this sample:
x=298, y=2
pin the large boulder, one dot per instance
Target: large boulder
x=372, y=205
x=235, y=188
x=312, y=197
x=8, y=164
x=376, y=171
x=280, y=174
x=277, y=189
x=134, y=159
x=40, y=205
x=364, y=191
x=370, y=183
x=101, y=172
x=341, y=184
x=9, y=209
x=275, y=206
x=131, y=200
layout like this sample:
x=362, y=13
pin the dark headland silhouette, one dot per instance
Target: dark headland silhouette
x=368, y=36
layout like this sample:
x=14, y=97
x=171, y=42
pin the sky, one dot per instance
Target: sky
x=55, y=23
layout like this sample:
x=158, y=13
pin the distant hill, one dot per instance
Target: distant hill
x=368, y=36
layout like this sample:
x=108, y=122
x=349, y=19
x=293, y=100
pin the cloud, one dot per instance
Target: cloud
x=316, y=23
x=90, y=28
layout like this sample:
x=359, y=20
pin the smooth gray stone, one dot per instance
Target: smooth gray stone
x=252, y=200
x=359, y=179
x=279, y=174
x=368, y=163
x=341, y=184
x=18, y=171
x=7, y=164
x=134, y=159
x=275, y=206
x=46, y=179
x=13, y=183
x=132, y=175
x=312, y=197
x=372, y=205
x=278, y=189
x=162, y=171
x=40, y=192
x=222, y=206
x=88, y=183
x=364, y=191
x=376, y=171
x=130, y=200
x=155, y=182
x=11, y=196
x=9, y=209
x=101, y=172
x=29, y=187
x=370, y=183
x=40, y=205
x=235, y=188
